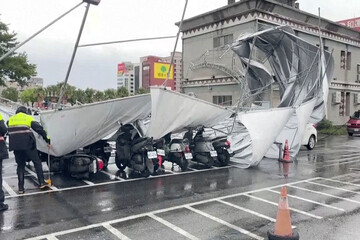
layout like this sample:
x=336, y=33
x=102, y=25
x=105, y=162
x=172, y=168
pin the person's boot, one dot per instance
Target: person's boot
x=44, y=185
x=3, y=207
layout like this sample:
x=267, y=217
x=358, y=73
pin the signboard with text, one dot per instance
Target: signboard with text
x=161, y=70
x=351, y=23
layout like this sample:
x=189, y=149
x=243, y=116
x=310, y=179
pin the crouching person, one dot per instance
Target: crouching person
x=22, y=141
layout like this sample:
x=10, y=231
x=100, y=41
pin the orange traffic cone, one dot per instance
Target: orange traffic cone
x=283, y=228
x=286, y=156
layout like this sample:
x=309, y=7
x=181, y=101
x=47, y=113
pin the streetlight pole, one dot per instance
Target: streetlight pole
x=63, y=87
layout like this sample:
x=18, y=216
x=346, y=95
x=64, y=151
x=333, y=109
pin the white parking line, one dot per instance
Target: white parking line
x=157, y=211
x=15, y=176
x=52, y=238
x=337, y=188
x=340, y=163
x=34, y=174
x=88, y=182
x=116, y=232
x=346, y=183
x=325, y=194
x=292, y=209
x=111, y=175
x=247, y=210
x=8, y=188
x=308, y=200
x=243, y=231
x=173, y=227
x=113, y=182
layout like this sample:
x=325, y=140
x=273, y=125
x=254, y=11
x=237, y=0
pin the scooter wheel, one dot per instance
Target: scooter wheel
x=146, y=173
x=119, y=164
x=210, y=162
x=224, y=159
x=183, y=164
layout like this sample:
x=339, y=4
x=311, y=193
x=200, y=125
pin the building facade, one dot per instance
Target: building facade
x=128, y=76
x=154, y=72
x=177, y=63
x=210, y=67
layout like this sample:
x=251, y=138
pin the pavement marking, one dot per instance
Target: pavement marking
x=116, y=232
x=111, y=175
x=337, y=188
x=239, y=229
x=247, y=210
x=113, y=182
x=292, y=209
x=8, y=188
x=308, y=200
x=325, y=194
x=157, y=211
x=346, y=183
x=173, y=227
x=340, y=163
x=35, y=175
x=88, y=182
x=52, y=238
x=15, y=176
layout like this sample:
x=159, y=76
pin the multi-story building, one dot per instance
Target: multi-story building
x=128, y=76
x=177, y=63
x=155, y=70
x=207, y=37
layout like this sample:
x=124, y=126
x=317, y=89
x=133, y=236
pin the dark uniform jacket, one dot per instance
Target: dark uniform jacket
x=20, y=135
x=3, y=149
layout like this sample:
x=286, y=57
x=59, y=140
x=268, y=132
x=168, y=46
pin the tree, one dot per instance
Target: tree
x=109, y=94
x=11, y=94
x=27, y=96
x=122, y=92
x=141, y=91
x=89, y=95
x=99, y=96
x=15, y=66
x=79, y=96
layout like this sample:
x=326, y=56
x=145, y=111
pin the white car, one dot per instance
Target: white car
x=310, y=136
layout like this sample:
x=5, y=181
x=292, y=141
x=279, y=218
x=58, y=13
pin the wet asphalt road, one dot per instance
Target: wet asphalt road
x=217, y=203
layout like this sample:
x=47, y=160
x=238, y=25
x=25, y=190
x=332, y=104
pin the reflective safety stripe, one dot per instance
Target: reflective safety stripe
x=19, y=131
x=1, y=118
x=20, y=119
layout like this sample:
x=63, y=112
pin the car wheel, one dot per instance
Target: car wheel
x=350, y=134
x=311, y=143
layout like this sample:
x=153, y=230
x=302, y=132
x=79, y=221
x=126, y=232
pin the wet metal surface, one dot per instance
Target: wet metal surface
x=217, y=203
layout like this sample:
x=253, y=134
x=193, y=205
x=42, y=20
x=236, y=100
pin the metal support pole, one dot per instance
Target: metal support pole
x=37, y=33
x=177, y=38
x=63, y=87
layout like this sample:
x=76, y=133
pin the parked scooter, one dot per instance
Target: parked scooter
x=134, y=151
x=178, y=151
x=201, y=148
x=222, y=147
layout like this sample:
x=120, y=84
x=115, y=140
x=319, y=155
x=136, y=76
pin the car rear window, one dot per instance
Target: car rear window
x=356, y=115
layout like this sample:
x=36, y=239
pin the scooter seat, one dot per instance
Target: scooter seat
x=219, y=138
x=137, y=140
x=176, y=140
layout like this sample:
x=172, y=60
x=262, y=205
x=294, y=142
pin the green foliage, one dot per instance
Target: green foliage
x=141, y=91
x=11, y=94
x=122, y=92
x=327, y=127
x=109, y=94
x=15, y=66
x=27, y=96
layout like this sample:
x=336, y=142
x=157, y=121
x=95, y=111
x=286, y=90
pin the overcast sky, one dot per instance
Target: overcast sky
x=114, y=20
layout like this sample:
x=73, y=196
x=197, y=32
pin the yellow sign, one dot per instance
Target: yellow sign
x=161, y=70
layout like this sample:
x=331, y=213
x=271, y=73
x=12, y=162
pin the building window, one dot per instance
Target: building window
x=358, y=73
x=348, y=61
x=223, y=100
x=342, y=60
x=223, y=40
x=345, y=60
